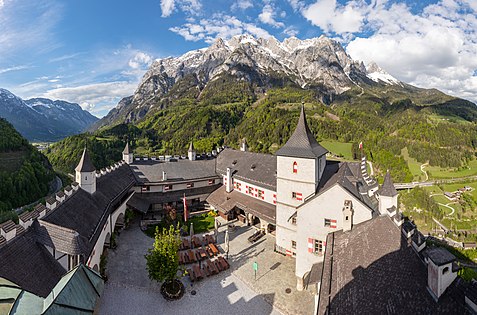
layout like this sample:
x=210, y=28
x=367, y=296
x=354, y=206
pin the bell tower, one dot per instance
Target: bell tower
x=127, y=156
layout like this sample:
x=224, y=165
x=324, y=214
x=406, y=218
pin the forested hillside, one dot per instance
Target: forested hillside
x=25, y=173
x=441, y=131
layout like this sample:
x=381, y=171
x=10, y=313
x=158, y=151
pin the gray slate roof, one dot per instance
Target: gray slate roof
x=440, y=256
x=373, y=270
x=388, y=189
x=72, y=227
x=29, y=264
x=226, y=202
x=85, y=164
x=241, y=162
x=347, y=176
x=181, y=170
x=302, y=143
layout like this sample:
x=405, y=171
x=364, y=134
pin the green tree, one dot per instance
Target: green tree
x=161, y=260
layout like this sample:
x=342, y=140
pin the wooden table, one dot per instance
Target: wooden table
x=197, y=271
x=214, y=249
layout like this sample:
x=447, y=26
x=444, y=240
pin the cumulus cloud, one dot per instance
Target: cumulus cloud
x=192, y=7
x=268, y=16
x=333, y=17
x=290, y=31
x=167, y=6
x=140, y=60
x=219, y=25
x=435, y=48
x=242, y=5
x=96, y=97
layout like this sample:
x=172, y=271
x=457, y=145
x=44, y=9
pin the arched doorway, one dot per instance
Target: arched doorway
x=107, y=240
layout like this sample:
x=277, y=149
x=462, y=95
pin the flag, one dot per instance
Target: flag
x=361, y=145
x=186, y=211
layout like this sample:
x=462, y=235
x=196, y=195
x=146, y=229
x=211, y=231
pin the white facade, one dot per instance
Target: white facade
x=87, y=181
x=319, y=217
x=386, y=202
x=254, y=191
x=128, y=157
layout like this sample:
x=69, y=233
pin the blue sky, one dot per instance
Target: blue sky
x=95, y=52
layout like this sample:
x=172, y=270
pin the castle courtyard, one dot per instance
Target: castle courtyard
x=234, y=291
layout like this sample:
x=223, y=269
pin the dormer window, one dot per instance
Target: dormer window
x=295, y=167
x=234, y=162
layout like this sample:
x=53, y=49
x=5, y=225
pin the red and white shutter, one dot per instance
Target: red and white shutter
x=299, y=196
x=274, y=199
x=295, y=167
x=211, y=181
x=166, y=187
x=333, y=224
x=311, y=245
x=263, y=195
x=256, y=192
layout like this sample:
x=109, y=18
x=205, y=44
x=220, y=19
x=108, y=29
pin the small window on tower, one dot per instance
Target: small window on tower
x=86, y=178
x=294, y=220
x=294, y=195
x=327, y=222
x=293, y=244
x=295, y=167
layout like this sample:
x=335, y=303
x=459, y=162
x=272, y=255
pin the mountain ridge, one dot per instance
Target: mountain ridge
x=42, y=119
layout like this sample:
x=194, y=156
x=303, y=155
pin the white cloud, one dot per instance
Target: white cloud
x=435, y=48
x=268, y=16
x=332, y=17
x=219, y=25
x=96, y=97
x=167, y=6
x=242, y=5
x=290, y=31
x=2, y=3
x=28, y=25
x=140, y=60
x=14, y=68
x=297, y=5
x=192, y=7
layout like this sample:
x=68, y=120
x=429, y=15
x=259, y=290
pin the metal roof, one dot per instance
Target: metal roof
x=302, y=143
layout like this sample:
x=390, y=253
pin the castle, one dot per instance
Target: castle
x=320, y=212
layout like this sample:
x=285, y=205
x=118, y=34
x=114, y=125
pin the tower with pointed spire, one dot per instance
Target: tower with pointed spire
x=85, y=173
x=387, y=195
x=300, y=165
x=127, y=156
x=191, y=152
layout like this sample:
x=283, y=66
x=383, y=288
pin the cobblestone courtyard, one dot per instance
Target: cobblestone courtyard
x=234, y=291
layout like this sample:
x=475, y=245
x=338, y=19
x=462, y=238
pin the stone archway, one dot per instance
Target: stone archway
x=107, y=240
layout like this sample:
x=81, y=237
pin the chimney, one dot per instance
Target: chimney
x=441, y=270
x=8, y=230
x=347, y=215
x=103, y=171
x=25, y=219
x=75, y=186
x=164, y=176
x=40, y=209
x=108, y=169
x=243, y=145
x=68, y=191
x=60, y=196
x=50, y=203
x=228, y=181
x=98, y=173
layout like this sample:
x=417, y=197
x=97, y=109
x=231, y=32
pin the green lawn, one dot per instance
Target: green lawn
x=202, y=223
x=414, y=166
x=437, y=172
x=338, y=148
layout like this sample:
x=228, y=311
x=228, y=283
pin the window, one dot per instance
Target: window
x=190, y=185
x=293, y=244
x=211, y=181
x=239, y=186
x=346, y=218
x=167, y=187
x=330, y=223
x=145, y=188
x=297, y=196
x=294, y=220
x=260, y=193
x=318, y=247
x=445, y=270
x=250, y=190
x=295, y=167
